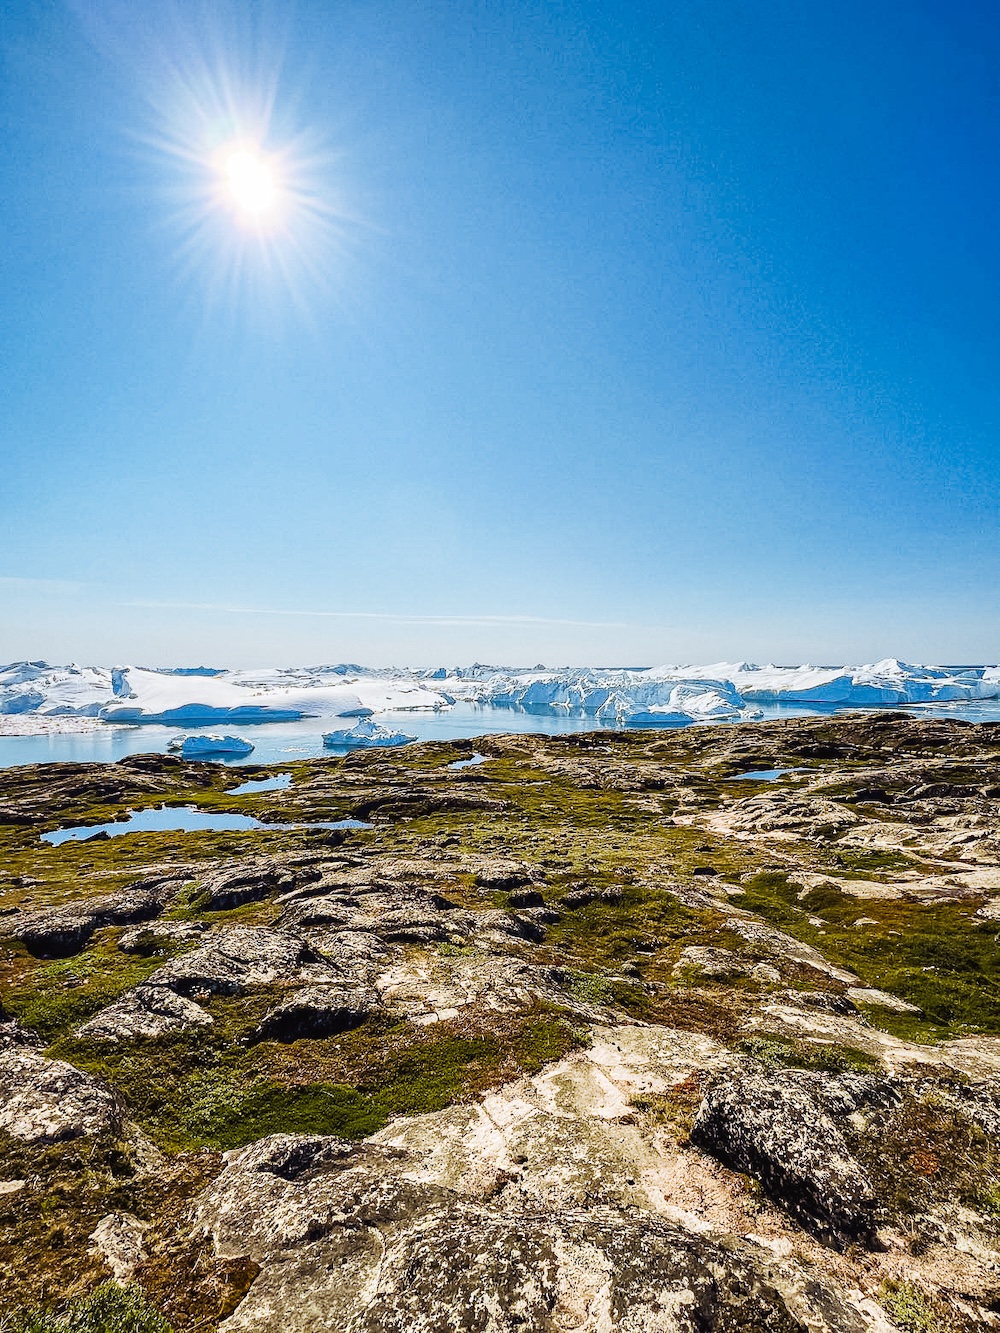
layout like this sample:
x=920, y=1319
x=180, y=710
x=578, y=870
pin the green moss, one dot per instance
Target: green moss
x=913, y=1310
x=826, y=1057
x=206, y=1090
x=109, y=1309
x=939, y=958
x=53, y=998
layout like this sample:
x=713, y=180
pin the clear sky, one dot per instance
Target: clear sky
x=590, y=332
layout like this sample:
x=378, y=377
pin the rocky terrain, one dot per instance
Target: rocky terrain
x=593, y=1035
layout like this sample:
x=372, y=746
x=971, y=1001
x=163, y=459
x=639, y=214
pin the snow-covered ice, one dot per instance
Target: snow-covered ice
x=36, y=697
x=723, y=690
x=197, y=747
x=365, y=735
x=140, y=695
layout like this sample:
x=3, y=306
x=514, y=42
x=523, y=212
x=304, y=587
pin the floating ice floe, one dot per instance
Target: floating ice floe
x=197, y=747
x=365, y=735
x=647, y=696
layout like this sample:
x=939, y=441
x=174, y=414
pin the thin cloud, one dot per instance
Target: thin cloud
x=218, y=608
x=39, y=585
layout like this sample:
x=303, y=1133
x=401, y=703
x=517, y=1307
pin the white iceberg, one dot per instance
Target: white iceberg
x=197, y=747
x=719, y=691
x=365, y=735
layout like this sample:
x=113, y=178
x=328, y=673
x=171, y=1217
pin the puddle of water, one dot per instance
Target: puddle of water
x=280, y=782
x=762, y=775
x=180, y=819
x=474, y=759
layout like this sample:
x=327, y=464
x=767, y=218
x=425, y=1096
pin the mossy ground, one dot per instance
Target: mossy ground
x=110, y=1308
x=941, y=958
x=593, y=812
x=207, y=1090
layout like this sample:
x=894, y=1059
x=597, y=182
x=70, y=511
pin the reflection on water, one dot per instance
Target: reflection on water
x=179, y=819
x=471, y=762
x=284, y=742
x=280, y=782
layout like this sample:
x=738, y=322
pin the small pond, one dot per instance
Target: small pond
x=180, y=819
x=470, y=762
x=280, y=782
x=762, y=775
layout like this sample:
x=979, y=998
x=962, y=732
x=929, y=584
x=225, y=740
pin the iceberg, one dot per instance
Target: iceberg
x=37, y=694
x=722, y=691
x=196, y=747
x=365, y=735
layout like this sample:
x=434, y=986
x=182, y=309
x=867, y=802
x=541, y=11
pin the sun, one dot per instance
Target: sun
x=249, y=184
x=255, y=200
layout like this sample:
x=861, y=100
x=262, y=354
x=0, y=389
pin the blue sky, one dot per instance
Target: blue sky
x=628, y=333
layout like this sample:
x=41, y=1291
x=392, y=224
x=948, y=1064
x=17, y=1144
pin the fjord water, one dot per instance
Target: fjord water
x=284, y=742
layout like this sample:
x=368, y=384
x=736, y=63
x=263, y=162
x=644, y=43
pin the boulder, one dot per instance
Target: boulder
x=773, y=1127
x=237, y=957
x=232, y=959
x=118, y=1241
x=235, y=885
x=14, y=1033
x=47, y=1101
x=582, y=895
x=317, y=1011
x=869, y=995
x=707, y=962
x=150, y=939
x=145, y=1012
x=62, y=931
x=503, y=874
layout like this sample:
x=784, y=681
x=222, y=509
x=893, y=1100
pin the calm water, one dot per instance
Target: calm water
x=283, y=742
x=280, y=782
x=178, y=819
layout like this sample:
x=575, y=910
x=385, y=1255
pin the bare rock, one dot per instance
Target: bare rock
x=14, y=1033
x=326, y=909
x=237, y=957
x=47, y=1101
x=774, y=1128
x=232, y=960
x=775, y=944
x=709, y=962
x=499, y=873
x=582, y=895
x=346, y=1238
x=868, y=995
x=318, y=1011
x=250, y=883
x=147, y=1011
x=118, y=1241
x=147, y=940
x=63, y=931
x=765, y=974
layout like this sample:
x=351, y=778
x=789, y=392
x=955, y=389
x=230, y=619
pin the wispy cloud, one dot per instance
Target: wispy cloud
x=15, y=582
x=388, y=616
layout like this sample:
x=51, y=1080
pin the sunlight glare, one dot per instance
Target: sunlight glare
x=250, y=183
x=251, y=195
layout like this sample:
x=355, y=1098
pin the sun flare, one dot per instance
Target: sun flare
x=250, y=184
x=255, y=200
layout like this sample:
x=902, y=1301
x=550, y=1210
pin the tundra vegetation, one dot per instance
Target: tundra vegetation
x=591, y=1035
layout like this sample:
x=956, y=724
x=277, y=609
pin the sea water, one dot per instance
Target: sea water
x=283, y=742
